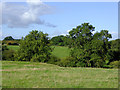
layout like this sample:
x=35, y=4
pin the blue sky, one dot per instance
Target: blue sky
x=56, y=18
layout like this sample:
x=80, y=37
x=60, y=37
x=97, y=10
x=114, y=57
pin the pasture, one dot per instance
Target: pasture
x=58, y=51
x=16, y=74
x=13, y=47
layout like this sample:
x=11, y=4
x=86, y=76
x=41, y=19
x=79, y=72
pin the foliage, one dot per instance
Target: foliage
x=67, y=62
x=8, y=38
x=114, y=51
x=60, y=40
x=115, y=64
x=54, y=60
x=10, y=42
x=34, y=47
x=4, y=48
x=7, y=54
x=89, y=50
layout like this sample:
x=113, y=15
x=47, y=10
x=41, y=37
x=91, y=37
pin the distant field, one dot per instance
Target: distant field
x=58, y=51
x=61, y=51
x=14, y=47
x=41, y=75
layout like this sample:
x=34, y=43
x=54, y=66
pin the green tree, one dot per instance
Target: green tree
x=81, y=42
x=114, y=51
x=100, y=47
x=34, y=47
x=58, y=40
x=8, y=38
x=90, y=50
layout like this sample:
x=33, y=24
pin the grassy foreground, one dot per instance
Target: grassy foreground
x=40, y=75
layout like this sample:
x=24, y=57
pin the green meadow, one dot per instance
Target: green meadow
x=17, y=74
x=59, y=51
x=20, y=74
x=13, y=47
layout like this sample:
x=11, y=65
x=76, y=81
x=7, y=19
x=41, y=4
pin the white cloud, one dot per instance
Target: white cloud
x=63, y=34
x=114, y=35
x=17, y=15
x=68, y=31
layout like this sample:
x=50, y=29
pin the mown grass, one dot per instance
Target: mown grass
x=18, y=74
x=59, y=51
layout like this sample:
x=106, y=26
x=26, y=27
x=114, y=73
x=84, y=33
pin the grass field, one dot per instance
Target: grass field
x=41, y=75
x=13, y=47
x=60, y=52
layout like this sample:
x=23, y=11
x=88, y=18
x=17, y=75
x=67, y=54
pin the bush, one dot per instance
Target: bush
x=107, y=66
x=9, y=43
x=12, y=43
x=3, y=43
x=68, y=62
x=4, y=48
x=8, y=55
x=115, y=64
x=35, y=58
x=54, y=60
x=80, y=64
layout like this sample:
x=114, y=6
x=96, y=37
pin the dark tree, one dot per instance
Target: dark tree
x=89, y=50
x=8, y=38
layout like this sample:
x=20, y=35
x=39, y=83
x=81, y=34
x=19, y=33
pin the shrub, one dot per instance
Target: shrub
x=8, y=55
x=35, y=58
x=107, y=66
x=9, y=43
x=12, y=43
x=4, y=48
x=80, y=64
x=68, y=62
x=115, y=64
x=54, y=60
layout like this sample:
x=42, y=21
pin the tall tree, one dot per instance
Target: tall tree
x=81, y=37
x=89, y=49
x=34, y=47
x=100, y=48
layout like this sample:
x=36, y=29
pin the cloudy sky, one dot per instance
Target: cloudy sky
x=56, y=18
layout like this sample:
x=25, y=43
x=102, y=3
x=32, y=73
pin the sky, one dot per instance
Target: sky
x=57, y=18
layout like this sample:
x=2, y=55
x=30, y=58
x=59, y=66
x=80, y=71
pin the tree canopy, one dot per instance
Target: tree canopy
x=89, y=49
x=8, y=38
x=34, y=47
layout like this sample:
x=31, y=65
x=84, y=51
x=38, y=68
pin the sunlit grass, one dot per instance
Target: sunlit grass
x=59, y=51
x=41, y=75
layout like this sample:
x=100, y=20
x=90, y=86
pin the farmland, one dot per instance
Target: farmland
x=13, y=47
x=58, y=51
x=16, y=74
x=19, y=74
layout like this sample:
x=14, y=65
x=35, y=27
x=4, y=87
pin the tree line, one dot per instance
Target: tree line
x=87, y=49
x=9, y=40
